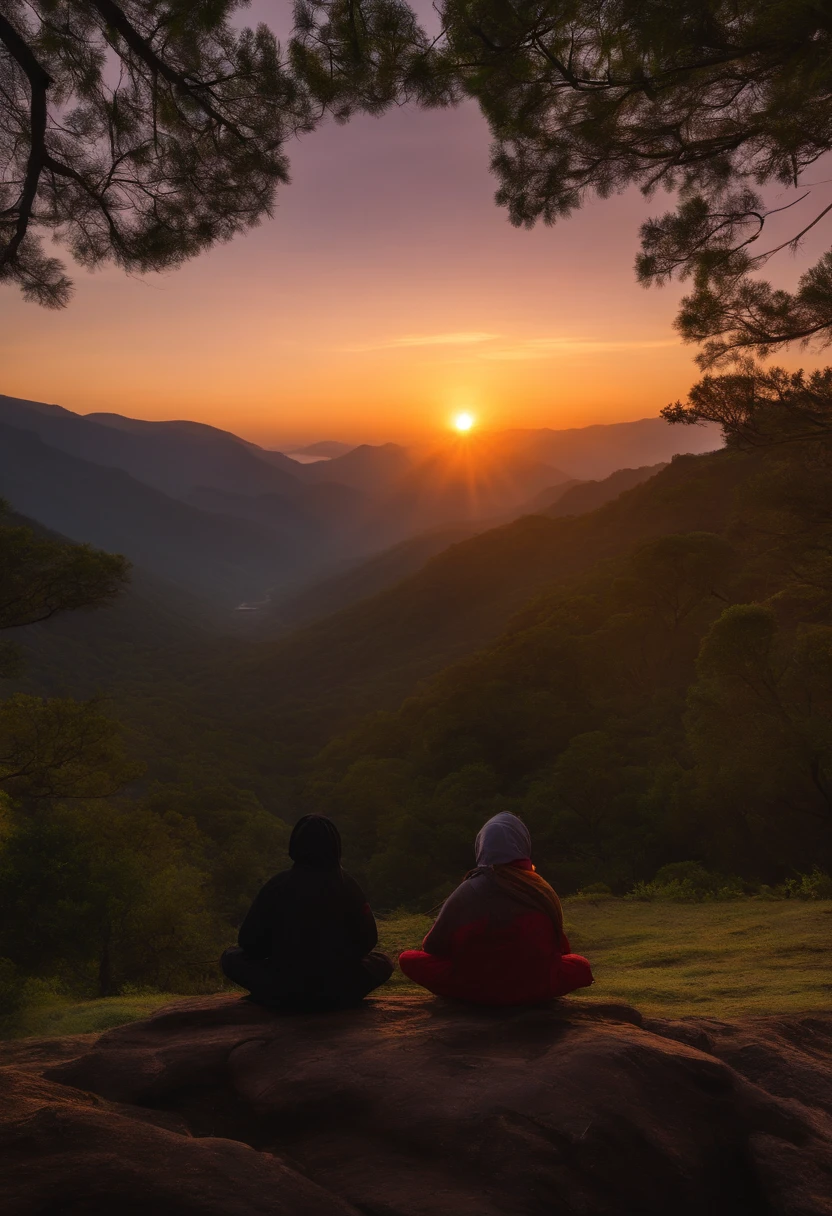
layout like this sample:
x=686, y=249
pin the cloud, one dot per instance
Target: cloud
x=548, y=348
x=525, y=348
x=461, y=338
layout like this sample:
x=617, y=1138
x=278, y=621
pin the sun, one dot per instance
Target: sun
x=463, y=422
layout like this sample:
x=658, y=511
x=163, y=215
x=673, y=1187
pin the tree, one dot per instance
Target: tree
x=59, y=748
x=54, y=748
x=759, y=726
x=138, y=133
x=673, y=576
x=714, y=99
x=41, y=575
x=757, y=407
x=98, y=895
x=240, y=845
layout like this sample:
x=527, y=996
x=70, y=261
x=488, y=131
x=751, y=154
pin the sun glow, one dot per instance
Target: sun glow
x=463, y=422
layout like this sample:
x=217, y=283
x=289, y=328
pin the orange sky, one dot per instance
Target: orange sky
x=387, y=292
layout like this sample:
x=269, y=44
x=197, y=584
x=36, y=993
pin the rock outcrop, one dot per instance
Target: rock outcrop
x=409, y=1107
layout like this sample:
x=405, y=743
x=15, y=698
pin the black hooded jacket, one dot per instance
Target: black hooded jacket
x=312, y=921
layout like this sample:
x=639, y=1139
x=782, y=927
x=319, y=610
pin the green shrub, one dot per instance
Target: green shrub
x=816, y=885
x=594, y=893
x=11, y=989
x=686, y=882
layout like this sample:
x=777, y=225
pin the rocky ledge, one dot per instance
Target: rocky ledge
x=410, y=1107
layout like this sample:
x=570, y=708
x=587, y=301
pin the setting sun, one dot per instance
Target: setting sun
x=463, y=422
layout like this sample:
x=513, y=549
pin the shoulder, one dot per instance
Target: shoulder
x=352, y=887
x=470, y=890
x=274, y=886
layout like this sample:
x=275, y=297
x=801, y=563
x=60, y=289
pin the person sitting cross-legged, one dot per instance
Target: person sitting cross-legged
x=308, y=941
x=499, y=939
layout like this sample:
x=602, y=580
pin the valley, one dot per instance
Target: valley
x=562, y=648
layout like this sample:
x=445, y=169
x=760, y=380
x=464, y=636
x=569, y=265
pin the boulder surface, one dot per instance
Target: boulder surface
x=410, y=1106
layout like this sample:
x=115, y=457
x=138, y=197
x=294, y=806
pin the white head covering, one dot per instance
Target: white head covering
x=503, y=839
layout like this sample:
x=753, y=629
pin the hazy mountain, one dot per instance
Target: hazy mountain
x=363, y=579
x=174, y=457
x=261, y=521
x=583, y=496
x=327, y=449
x=597, y=451
x=371, y=654
x=215, y=556
x=472, y=479
x=214, y=470
x=457, y=482
x=367, y=467
x=545, y=498
x=366, y=578
x=318, y=523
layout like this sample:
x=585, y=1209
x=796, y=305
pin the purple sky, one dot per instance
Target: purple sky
x=387, y=292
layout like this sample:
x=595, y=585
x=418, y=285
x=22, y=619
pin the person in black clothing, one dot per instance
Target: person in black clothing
x=308, y=941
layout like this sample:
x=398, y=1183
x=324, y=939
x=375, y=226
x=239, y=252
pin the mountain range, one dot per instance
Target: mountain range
x=371, y=652
x=226, y=520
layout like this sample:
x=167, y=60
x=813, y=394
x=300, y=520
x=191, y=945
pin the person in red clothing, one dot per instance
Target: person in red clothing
x=499, y=938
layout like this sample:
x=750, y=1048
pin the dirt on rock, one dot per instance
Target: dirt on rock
x=410, y=1106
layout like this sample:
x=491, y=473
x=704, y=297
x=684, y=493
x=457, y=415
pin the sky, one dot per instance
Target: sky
x=387, y=293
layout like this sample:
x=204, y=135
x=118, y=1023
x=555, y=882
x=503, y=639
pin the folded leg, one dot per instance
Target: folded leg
x=256, y=975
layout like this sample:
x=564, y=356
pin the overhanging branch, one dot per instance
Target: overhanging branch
x=39, y=81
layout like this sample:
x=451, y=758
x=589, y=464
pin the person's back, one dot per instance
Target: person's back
x=499, y=937
x=309, y=938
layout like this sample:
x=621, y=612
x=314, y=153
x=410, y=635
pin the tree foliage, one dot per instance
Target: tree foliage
x=760, y=407
x=138, y=133
x=714, y=100
x=41, y=575
x=53, y=748
x=58, y=748
x=102, y=894
x=144, y=132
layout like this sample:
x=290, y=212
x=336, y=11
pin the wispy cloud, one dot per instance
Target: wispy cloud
x=549, y=348
x=461, y=338
x=499, y=347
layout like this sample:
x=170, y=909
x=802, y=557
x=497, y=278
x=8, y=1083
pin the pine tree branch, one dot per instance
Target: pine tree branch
x=117, y=19
x=39, y=81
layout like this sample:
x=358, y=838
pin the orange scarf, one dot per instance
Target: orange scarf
x=529, y=888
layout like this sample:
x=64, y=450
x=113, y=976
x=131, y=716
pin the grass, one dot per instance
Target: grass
x=722, y=960
x=61, y=1016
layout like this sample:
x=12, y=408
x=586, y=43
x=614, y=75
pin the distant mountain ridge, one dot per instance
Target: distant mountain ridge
x=364, y=579
x=173, y=457
x=585, y=496
x=223, y=518
x=327, y=449
x=220, y=558
x=370, y=654
x=594, y=452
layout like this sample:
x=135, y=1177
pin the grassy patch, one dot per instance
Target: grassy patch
x=716, y=959
x=721, y=960
x=64, y=1016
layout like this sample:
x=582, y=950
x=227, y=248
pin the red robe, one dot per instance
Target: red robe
x=489, y=948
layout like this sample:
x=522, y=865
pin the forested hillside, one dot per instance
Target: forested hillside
x=668, y=697
x=646, y=683
x=374, y=652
